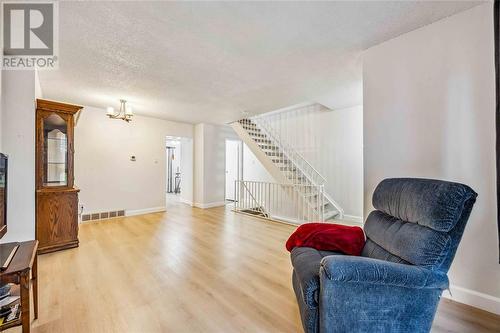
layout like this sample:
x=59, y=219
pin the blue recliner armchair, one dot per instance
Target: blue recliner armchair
x=396, y=284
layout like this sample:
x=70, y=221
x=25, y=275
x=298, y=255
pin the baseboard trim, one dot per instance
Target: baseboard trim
x=185, y=201
x=210, y=204
x=473, y=298
x=134, y=212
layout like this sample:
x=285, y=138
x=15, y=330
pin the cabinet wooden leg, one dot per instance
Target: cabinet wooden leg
x=34, y=277
x=25, y=301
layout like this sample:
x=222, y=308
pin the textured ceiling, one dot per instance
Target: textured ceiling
x=209, y=61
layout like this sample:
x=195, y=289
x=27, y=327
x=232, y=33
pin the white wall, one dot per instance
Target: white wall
x=253, y=169
x=209, y=164
x=429, y=111
x=198, y=173
x=186, y=195
x=340, y=160
x=233, y=167
x=38, y=86
x=108, y=180
x=18, y=141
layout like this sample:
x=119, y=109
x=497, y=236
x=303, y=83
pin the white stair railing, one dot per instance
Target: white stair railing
x=314, y=177
x=284, y=154
x=293, y=203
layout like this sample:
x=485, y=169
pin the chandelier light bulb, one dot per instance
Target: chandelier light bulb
x=125, y=112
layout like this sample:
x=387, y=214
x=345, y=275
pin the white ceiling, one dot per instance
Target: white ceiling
x=209, y=61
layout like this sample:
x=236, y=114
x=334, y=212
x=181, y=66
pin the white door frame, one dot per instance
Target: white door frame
x=186, y=165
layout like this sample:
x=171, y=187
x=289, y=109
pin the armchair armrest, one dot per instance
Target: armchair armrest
x=380, y=272
x=360, y=294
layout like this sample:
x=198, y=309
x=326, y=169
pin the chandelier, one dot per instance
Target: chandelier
x=125, y=112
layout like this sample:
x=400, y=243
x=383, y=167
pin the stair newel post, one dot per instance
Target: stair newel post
x=303, y=216
x=322, y=203
x=269, y=197
x=255, y=194
x=273, y=197
x=280, y=200
x=261, y=193
x=317, y=201
x=236, y=195
x=266, y=198
x=298, y=206
x=259, y=189
x=303, y=207
x=262, y=198
x=251, y=195
x=302, y=211
x=309, y=211
x=271, y=194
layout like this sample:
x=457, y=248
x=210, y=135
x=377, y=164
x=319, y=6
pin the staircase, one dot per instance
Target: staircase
x=298, y=182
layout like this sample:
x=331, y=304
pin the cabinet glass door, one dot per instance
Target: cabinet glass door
x=55, y=134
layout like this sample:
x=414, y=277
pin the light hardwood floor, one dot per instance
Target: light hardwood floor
x=187, y=270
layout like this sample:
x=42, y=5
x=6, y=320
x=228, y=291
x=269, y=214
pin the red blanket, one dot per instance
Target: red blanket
x=328, y=237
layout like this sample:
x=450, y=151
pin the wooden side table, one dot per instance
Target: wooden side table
x=23, y=263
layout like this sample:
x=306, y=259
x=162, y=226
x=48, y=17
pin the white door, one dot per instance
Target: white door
x=232, y=166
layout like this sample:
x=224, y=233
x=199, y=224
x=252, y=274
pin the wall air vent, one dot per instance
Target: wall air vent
x=102, y=215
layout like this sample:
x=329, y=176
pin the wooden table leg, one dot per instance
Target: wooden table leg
x=25, y=301
x=34, y=279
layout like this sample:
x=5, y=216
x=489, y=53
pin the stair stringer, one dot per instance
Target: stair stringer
x=264, y=159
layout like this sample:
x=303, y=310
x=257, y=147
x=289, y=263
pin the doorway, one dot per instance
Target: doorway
x=179, y=170
x=234, y=159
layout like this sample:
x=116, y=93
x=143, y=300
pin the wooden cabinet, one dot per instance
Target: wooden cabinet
x=56, y=195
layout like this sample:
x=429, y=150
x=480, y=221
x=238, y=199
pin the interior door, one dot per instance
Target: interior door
x=233, y=155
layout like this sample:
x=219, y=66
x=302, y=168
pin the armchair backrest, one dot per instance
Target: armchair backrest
x=418, y=221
